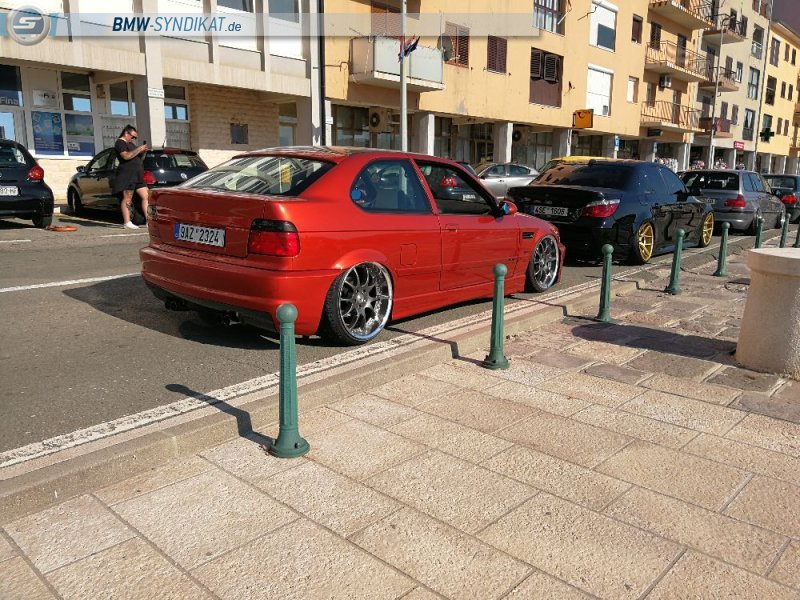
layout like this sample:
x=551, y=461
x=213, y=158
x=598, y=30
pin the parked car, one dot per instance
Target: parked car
x=468, y=167
x=787, y=188
x=635, y=206
x=352, y=237
x=498, y=177
x=738, y=197
x=571, y=159
x=91, y=186
x=23, y=192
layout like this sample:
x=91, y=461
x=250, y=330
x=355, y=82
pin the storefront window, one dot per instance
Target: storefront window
x=120, y=104
x=533, y=149
x=350, y=126
x=587, y=145
x=442, y=137
x=10, y=87
x=287, y=124
x=75, y=87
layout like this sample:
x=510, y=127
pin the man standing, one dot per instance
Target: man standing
x=130, y=174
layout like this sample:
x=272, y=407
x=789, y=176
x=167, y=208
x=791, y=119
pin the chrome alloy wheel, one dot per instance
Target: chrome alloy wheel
x=365, y=300
x=544, y=263
x=708, y=229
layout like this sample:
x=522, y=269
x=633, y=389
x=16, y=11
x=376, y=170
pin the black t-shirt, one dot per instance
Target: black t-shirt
x=129, y=170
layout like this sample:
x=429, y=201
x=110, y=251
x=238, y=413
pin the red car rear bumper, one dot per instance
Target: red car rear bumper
x=254, y=293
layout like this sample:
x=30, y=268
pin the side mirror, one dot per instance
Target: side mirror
x=81, y=169
x=508, y=208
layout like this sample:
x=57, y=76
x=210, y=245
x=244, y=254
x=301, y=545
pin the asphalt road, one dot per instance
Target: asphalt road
x=77, y=354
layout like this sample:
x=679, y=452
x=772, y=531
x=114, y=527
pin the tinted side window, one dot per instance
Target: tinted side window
x=672, y=184
x=649, y=181
x=454, y=194
x=763, y=186
x=747, y=180
x=496, y=171
x=101, y=162
x=389, y=186
x=519, y=171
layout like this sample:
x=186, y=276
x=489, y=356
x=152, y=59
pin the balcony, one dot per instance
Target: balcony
x=724, y=31
x=374, y=62
x=722, y=128
x=670, y=117
x=727, y=81
x=668, y=58
x=747, y=134
x=691, y=14
x=756, y=50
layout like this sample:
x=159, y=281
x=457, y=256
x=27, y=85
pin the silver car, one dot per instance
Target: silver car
x=498, y=177
x=739, y=197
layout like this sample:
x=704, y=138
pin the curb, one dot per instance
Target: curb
x=53, y=479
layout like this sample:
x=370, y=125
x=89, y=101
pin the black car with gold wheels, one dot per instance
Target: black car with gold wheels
x=636, y=206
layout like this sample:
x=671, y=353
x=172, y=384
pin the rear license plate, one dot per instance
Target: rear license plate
x=555, y=211
x=209, y=236
x=468, y=196
x=9, y=190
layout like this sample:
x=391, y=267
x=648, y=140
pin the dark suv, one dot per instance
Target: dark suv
x=91, y=186
x=787, y=188
x=23, y=192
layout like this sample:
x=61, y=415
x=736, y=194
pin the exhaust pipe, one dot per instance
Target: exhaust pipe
x=230, y=319
x=175, y=304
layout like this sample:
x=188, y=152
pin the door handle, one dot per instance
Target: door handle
x=451, y=227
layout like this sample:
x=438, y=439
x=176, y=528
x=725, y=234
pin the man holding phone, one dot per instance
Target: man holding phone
x=130, y=174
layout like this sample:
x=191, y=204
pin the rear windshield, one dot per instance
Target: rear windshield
x=598, y=175
x=778, y=181
x=156, y=160
x=11, y=156
x=711, y=181
x=267, y=175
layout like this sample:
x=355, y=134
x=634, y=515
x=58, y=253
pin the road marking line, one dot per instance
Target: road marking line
x=111, y=235
x=37, y=286
x=14, y=241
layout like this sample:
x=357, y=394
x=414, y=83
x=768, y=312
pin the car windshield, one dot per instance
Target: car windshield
x=10, y=156
x=778, y=181
x=172, y=160
x=596, y=175
x=711, y=181
x=267, y=175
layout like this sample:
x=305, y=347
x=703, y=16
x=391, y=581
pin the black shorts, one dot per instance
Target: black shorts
x=134, y=186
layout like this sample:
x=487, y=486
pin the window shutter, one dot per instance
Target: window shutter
x=463, y=46
x=551, y=67
x=735, y=114
x=636, y=30
x=501, y=54
x=537, y=63
x=496, y=59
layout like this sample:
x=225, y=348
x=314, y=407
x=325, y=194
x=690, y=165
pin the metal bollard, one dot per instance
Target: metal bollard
x=759, y=230
x=289, y=444
x=797, y=241
x=605, y=286
x=674, y=287
x=784, y=232
x=722, y=263
x=496, y=359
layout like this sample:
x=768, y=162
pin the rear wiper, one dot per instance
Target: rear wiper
x=14, y=166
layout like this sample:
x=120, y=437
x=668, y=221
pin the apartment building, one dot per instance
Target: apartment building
x=66, y=98
x=778, y=129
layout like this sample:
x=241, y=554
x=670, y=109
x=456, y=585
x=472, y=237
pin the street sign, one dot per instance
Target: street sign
x=653, y=132
x=583, y=119
x=737, y=145
x=616, y=142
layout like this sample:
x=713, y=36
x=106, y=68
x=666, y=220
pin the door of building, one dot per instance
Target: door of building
x=12, y=125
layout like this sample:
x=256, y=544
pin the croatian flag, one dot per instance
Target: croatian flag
x=407, y=47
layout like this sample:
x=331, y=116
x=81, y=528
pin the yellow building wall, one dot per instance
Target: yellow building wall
x=783, y=108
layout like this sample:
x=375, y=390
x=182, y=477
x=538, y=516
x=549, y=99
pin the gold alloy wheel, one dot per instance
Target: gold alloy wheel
x=645, y=241
x=708, y=228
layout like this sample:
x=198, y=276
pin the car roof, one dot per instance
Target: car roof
x=337, y=154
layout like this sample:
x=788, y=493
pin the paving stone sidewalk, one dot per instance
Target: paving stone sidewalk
x=625, y=461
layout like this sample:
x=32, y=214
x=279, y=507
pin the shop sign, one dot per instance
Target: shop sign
x=48, y=133
x=737, y=145
x=45, y=98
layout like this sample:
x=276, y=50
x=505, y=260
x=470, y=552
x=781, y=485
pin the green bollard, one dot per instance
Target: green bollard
x=759, y=230
x=784, y=232
x=797, y=241
x=674, y=285
x=605, y=287
x=289, y=444
x=496, y=359
x=722, y=263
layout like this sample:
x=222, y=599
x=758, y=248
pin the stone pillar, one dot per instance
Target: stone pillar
x=766, y=163
x=610, y=146
x=149, y=89
x=750, y=160
x=705, y=156
x=780, y=165
x=647, y=149
x=562, y=142
x=423, y=129
x=311, y=131
x=502, y=141
x=792, y=165
x=308, y=121
x=328, y=125
x=729, y=156
x=684, y=152
x=210, y=8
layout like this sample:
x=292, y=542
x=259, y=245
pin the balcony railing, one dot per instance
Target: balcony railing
x=669, y=54
x=727, y=79
x=694, y=14
x=663, y=113
x=721, y=126
x=757, y=49
x=725, y=31
x=374, y=61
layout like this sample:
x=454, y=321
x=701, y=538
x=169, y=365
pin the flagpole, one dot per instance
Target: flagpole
x=403, y=104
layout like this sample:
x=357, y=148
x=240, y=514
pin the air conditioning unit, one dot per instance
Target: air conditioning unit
x=519, y=136
x=665, y=81
x=380, y=120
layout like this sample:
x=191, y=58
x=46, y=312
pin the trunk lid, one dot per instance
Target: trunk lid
x=13, y=174
x=198, y=219
x=719, y=197
x=558, y=203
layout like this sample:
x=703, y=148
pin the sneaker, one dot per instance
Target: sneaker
x=130, y=225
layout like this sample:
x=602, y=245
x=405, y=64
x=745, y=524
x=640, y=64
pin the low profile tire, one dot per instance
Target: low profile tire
x=358, y=304
x=544, y=264
x=74, y=201
x=706, y=230
x=42, y=221
x=137, y=218
x=643, y=244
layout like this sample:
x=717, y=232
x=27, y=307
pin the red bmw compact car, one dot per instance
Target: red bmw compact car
x=352, y=237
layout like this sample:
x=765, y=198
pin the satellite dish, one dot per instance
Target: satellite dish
x=446, y=46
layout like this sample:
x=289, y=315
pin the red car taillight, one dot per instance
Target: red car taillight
x=36, y=173
x=149, y=178
x=274, y=238
x=448, y=182
x=789, y=199
x=737, y=202
x=600, y=208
